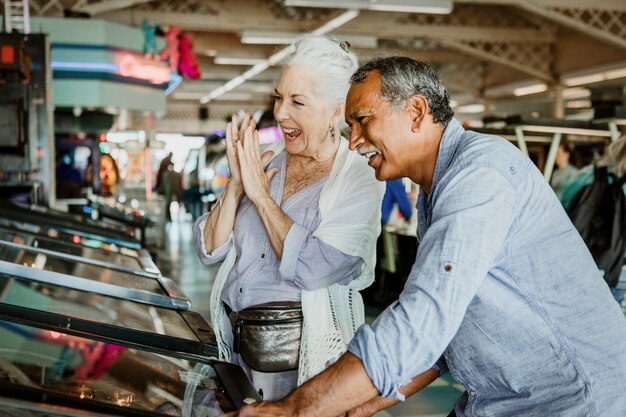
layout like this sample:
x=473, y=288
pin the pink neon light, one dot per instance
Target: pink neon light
x=269, y=135
x=144, y=69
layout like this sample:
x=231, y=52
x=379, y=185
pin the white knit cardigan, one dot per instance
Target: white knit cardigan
x=350, y=222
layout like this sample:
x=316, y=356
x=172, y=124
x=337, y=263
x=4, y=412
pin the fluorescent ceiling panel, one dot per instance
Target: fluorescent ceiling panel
x=233, y=60
x=285, y=38
x=406, y=6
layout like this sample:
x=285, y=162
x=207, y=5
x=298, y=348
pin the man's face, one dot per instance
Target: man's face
x=378, y=132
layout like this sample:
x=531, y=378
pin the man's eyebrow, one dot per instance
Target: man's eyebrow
x=355, y=114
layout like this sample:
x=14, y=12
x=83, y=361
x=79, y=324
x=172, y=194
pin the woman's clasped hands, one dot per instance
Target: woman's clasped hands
x=245, y=162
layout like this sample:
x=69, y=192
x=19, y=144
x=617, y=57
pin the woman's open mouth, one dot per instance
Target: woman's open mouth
x=291, y=134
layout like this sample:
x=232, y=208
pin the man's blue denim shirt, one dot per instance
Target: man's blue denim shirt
x=503, y=292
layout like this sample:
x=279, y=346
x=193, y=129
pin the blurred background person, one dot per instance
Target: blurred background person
x=395, y=195
x=566, y=172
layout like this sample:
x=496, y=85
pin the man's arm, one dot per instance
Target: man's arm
x=340, y=388
x=380, y=403
x=343, y=386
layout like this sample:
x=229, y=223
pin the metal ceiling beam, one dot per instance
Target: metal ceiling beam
x=518, y=57
x=601, y=23
x=236, y=15
x=373, y=23
x=49, y=5
x=35, y=6
x=104, y=6
x=584, y=4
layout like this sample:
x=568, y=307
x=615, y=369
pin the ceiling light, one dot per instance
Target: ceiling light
x=471, y=108
x=566, y=130
x=267, y=38
x=406, y=6
x=583, y=79
x=530, y=89
x=610, y=75
x=231, y=60
x=576, y=92
x=187, y=95
x=285, y=38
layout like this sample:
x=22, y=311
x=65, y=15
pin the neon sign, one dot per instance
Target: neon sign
x=134, y=66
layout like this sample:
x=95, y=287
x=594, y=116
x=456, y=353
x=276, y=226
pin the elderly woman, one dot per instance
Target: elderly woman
x=295, y=228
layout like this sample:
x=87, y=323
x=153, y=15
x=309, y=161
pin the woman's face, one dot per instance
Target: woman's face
x=301, y=112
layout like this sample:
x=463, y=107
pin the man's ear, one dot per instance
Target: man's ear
x=418, y=109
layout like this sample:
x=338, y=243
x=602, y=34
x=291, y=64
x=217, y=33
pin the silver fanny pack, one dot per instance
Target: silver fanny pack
x=267, y=336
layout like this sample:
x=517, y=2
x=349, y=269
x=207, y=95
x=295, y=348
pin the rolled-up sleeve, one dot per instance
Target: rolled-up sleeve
x=311, y=264
x=218, y=254
x=470, y=221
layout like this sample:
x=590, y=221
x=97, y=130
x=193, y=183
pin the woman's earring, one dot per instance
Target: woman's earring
x=333, y=134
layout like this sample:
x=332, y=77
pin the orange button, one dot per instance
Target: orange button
x=7, y=54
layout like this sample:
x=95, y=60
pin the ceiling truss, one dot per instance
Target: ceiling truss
x=520, y=37
x=607, y=25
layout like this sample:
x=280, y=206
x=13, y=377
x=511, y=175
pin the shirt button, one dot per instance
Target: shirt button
x=472, y=393
x=447, y=268
x=262, y=255
x=240, y=290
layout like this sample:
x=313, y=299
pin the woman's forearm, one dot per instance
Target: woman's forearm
x=276, y=222
x=221, y=220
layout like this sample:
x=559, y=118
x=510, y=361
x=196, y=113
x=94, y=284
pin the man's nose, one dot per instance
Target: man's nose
x=356, y=140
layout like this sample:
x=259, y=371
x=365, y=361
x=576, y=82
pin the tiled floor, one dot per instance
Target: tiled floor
x=178, y=260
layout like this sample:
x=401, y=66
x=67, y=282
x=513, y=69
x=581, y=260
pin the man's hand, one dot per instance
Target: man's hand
x=263, y=409
x=343, y=386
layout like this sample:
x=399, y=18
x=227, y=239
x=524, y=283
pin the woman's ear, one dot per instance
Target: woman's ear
x=338, y=113
x=418, y=109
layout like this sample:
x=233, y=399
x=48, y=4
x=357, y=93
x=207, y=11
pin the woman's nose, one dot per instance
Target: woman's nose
x=280, y=112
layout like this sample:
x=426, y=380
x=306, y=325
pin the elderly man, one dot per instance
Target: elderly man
x=503, y=293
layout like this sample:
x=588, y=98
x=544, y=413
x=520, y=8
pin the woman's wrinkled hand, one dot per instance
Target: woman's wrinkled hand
x=235, y=134
x=254, y=178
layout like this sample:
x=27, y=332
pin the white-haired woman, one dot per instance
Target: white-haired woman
x=295, y=228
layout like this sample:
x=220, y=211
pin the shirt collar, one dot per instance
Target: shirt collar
x=447, y=149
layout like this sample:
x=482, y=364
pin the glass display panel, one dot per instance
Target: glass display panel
x=93, y=371
x=48, y=262
x=24, y=238
x=16, y=208
x=79, y=239
x=94, y=307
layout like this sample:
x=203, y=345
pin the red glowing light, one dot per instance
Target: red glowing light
x=144, y=69
x=7, y=54
x=76, y=239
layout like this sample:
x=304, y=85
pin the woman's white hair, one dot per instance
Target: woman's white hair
x=331, y=60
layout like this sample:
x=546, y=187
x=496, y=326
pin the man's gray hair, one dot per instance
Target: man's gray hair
x=402, y=78
x=332, y=61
